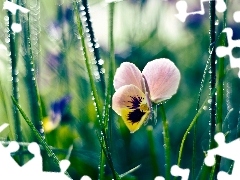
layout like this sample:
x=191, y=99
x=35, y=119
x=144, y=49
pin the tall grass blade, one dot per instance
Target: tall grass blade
x=14, y=38
x=34, y=97
x=87, y=61
x=93, y=42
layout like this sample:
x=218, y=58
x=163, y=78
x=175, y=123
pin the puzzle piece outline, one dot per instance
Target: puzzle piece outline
x=222, y=51
x=182, y=9
x=32, y=169
x=176, y=171
x=227, y=150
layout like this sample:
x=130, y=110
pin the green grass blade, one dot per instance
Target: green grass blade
x=153, y=155
x=35, y=104
x=102, y=139
x=94, y=46
x=15, y=93
x=41, y=140
x=87, y=63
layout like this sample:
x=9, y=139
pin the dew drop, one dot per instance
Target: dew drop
x=6, y=18
x=101, y=62
x=83, y=13
x=7, y=40
x=209, y=101
x=102, y=71
x=41, y=130
x=15, y=72
x=97, y=45
x=82, y=8
x=84, y=18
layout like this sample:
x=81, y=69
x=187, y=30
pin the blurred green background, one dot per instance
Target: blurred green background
x=143, y=30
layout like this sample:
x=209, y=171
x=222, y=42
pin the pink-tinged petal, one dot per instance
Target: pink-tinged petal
x=162, y=77
x=127, y=74
x=130, y=103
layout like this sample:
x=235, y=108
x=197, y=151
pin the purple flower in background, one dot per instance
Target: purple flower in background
x=55, y=30
x=194, y=21
x=56, y=113
x=69, y=14
x=64, y=16
x=54, y=59
x=236, y=30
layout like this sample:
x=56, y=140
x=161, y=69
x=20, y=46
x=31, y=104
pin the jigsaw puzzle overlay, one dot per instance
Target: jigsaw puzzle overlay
x=221, y=51
x=227, y=150
x=10, y=169
x=12, y=7
x=182, y=9
x=33, y=168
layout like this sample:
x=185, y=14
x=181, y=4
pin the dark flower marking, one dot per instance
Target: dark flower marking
x=136, y=101
x=135, y=116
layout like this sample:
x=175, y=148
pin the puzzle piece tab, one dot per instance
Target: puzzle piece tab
x=227, y=150
x=177, y=171
x=14, y=7
x=33, y=169
x=236, y=16
x=182, y=9
x=222, y=51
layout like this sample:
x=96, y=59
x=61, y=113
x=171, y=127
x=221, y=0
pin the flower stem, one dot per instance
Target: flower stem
x=153, y=152
x=212, y=14
x=107, y=124
x=166, y=140
x=111, y=66
x=220, y=88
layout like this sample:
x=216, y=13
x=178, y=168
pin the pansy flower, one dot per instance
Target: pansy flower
x=56, y=113
x=135, y=90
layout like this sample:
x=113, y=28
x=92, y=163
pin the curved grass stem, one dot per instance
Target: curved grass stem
x=189, y=128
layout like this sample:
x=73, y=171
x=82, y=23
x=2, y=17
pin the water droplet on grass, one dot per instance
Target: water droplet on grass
x=101, y=62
